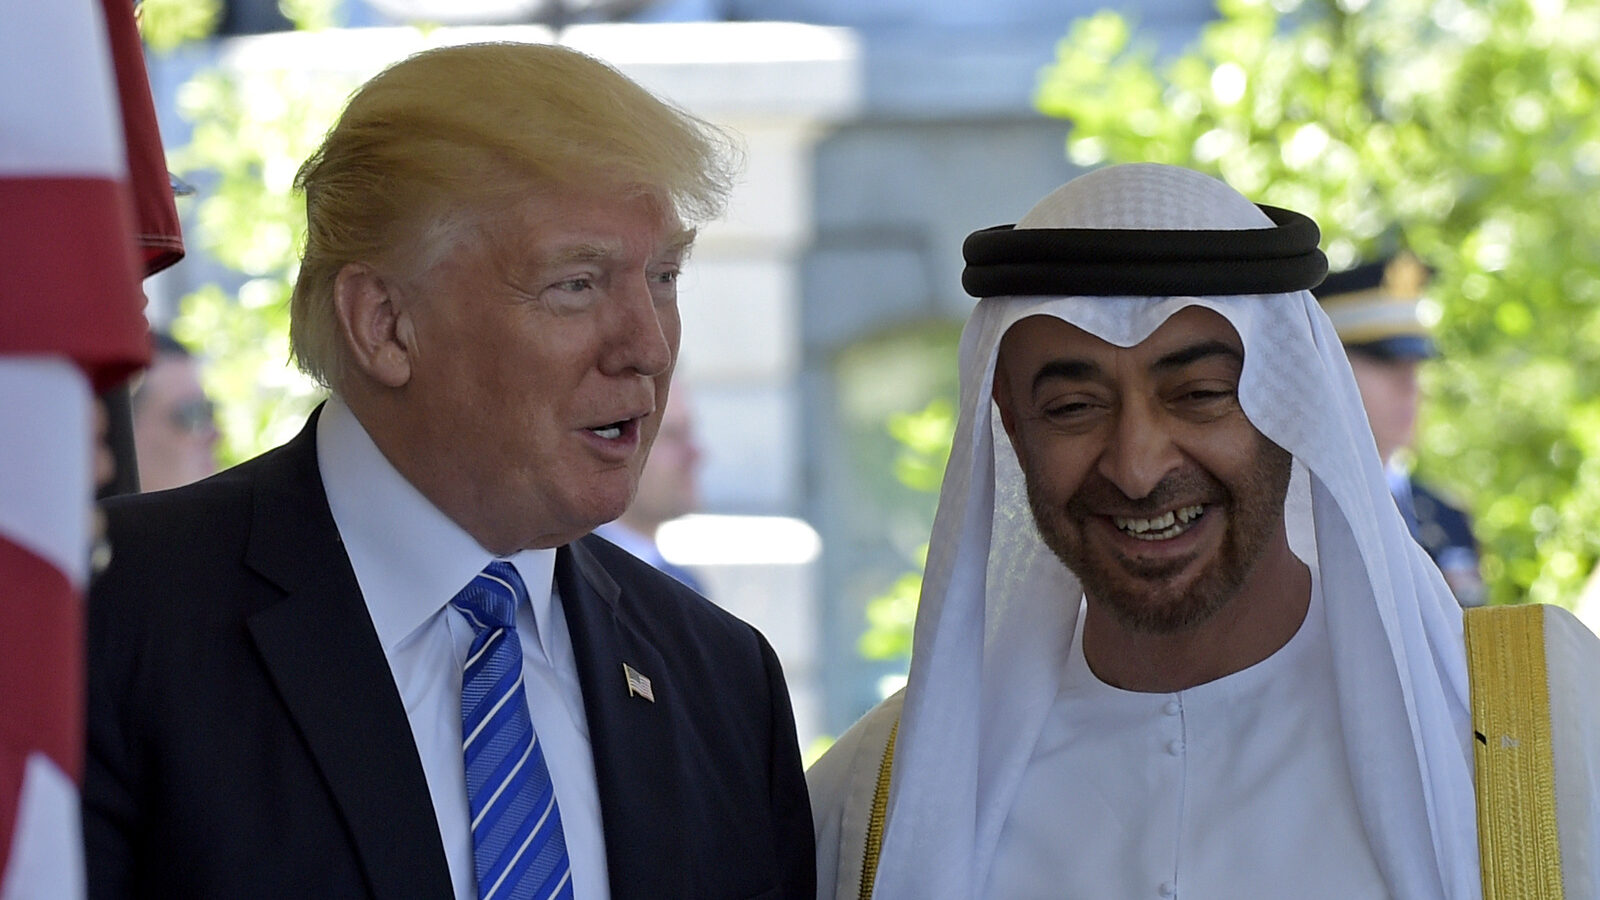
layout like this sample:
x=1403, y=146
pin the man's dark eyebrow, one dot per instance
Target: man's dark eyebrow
x=1067, y=370
x=1177, y=359
x=1085, y=370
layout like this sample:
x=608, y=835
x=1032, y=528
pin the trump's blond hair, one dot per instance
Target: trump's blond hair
x=451, y=135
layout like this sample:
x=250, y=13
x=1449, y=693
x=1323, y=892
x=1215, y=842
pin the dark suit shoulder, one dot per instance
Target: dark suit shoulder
x=178, y=589
x=671, y=605
x=229, y=489
x=228, y=614
x=170, y=550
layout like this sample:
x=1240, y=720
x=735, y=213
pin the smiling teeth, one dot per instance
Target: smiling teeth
x=610, y=432
x=1162, y=527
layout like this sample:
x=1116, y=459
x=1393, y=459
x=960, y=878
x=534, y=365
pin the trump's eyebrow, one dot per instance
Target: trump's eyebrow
x=680, y=243
x=590, y=251
x=586, y=252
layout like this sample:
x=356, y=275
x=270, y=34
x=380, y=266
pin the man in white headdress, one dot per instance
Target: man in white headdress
x=1174, y=638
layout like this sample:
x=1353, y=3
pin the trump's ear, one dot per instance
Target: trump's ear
x=372, y=325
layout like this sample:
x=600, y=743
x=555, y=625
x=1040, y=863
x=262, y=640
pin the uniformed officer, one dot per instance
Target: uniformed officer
x=1376, y=310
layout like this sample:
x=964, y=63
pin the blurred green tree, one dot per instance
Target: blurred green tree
x=251, y=128
x=165, y=25
x=1467, y=131
x=922, y=439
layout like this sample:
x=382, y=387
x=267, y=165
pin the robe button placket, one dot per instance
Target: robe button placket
x=1167, y=889
x=1171, y=708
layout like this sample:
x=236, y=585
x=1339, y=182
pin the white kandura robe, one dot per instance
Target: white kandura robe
x=1328, y=860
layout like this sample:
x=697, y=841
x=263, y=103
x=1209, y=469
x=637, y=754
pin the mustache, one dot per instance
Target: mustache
x=1098, y=496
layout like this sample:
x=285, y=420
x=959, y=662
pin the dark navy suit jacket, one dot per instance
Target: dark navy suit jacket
x=246, y=739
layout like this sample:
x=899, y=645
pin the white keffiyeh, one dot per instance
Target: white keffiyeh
x=993, y=631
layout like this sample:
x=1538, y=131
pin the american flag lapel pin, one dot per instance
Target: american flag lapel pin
x=638, y=685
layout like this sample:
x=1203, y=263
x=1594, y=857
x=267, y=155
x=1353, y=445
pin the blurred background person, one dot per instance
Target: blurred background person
x=1375, y=309
x=174, y=421
x=669, y=487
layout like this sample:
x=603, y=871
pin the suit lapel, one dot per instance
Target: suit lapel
x=323, y=654
x=637, y=751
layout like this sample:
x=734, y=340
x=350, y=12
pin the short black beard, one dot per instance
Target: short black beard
x=1254, y=515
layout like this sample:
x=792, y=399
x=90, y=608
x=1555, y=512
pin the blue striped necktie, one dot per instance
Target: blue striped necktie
x=518, y=849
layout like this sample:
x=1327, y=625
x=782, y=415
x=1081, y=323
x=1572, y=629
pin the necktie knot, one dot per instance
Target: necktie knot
x=490, y=600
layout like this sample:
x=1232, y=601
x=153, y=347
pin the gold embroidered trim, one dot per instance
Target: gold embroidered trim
x=1518, y=843
x=880, y=811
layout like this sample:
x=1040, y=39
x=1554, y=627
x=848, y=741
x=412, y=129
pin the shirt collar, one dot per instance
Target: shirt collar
x=409, y=558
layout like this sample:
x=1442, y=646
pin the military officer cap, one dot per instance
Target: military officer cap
x=1376, y=308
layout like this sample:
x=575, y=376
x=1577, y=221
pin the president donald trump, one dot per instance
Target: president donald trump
x=386, y=659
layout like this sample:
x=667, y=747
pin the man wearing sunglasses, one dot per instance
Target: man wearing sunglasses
x=174, y=427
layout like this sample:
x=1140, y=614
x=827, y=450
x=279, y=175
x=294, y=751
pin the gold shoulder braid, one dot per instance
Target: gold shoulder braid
x=880, y=811
x=1518, y=843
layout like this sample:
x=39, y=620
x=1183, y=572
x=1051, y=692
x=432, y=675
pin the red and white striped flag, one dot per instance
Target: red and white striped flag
x=71, y=324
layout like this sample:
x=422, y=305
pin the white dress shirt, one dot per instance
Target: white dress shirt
x=1234, y=788
x=410, y=560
